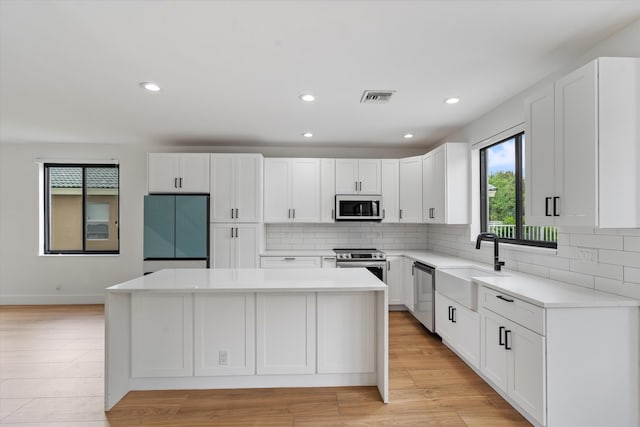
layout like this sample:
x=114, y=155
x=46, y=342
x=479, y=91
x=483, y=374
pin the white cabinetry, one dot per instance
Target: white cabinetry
x=408, y=287
x=586, y=126
x=236, y=188
x=355, y=176
x=235, y=245
x=286, y=333
x=327, y=190
x=161, y=335
x=459, y=327
x=328, y=262
x=445, y=184
x=224, y=341
x=395, y=279
x=178, y=173
x=291, y=262
x=291, y=190
x=352, y=349
x=390, y=190
x=411, y=189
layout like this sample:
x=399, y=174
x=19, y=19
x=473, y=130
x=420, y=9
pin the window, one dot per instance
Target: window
x=81, y=208
x=502, y=190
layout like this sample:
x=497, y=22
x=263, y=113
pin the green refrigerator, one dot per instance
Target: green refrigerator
x=176, y=227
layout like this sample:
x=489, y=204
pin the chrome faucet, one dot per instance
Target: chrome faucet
x=497, y=264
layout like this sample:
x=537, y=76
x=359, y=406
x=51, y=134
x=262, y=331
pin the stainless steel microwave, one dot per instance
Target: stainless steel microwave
x=350, y=207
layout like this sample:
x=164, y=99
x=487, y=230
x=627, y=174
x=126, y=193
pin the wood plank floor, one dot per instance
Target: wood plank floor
x=51, y=374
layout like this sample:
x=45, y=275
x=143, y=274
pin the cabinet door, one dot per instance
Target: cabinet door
x=493, y=356
x=246, y=243
x=277, y=176
x=163, y=172
x=526, y=370
x=194, y=173
x=539, y=158
x=159, y=226
x=444, y=326
x=438, y=185
x=223, y=188
x=161, y=335
x=408, y=288
x=305, y=190
x=467, y=334
x=390, y=190
x=394, y=279
x=327, y=190
x=411, y=189
x=222, y=245
x=328, y=262
x=248, y=178
x=576, y=121
x=428, y=204
x=191, y=226
x=369, y=176
x=346, y=176
x=286, y=333
x=290, y=262
x=224, y=334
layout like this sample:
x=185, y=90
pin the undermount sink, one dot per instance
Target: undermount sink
x=456, y=284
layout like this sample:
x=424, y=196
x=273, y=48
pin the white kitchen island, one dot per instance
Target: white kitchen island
x=246, y=328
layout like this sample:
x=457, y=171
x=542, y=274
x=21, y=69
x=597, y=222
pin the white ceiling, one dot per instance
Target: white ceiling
x=231, y=71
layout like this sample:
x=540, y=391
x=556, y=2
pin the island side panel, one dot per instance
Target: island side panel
x=382, y=343
x=117, y=347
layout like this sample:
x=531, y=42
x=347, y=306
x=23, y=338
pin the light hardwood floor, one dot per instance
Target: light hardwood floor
x=51, y=374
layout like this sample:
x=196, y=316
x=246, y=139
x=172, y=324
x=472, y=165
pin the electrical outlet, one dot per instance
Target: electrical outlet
x=587, y=255
x=223, y=358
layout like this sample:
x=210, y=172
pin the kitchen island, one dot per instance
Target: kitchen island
x=246, y=328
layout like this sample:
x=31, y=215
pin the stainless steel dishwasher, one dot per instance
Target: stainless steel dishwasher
x=424, y=295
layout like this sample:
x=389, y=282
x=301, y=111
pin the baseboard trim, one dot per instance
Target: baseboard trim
x=51, y=299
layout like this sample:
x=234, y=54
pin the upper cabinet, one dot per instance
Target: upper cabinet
x=390, y=190
x=236, y=188
x=445, y=184
x=586, y=127
x=327, y=190
x=178, y=173
x=355, y=176
x=410, y=189
x=291, y=190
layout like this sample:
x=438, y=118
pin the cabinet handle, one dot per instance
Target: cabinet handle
x=449, y=316
x=175, y=182
x=500, y=331
x=453, y=314
x=360, y=185
x=356, y=183
x=231, y=213
x=237, y=232
x=413, y=269
x=232, y=232
x=383, y=213
x=546, y=206
x=388, y=266
x=333, y=214
x=237, y=216
x=289, y=258
x=289, y=213
x=294, y=213
x=180, y=182
x=507, y=340
x=504, y=298
x=555, y=206
x=400, y=213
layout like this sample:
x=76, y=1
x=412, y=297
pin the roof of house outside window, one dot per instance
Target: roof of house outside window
x=71, y=177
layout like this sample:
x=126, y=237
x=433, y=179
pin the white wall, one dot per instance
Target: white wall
x=607, y=260
x=27, y=278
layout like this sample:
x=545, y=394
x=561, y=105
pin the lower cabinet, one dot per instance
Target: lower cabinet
x=395, y=277
x=459, y=327
x=408, y=288
x=161, y=335
x=290, y=262
x=328, y=262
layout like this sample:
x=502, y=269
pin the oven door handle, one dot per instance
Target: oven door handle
x=379, y=264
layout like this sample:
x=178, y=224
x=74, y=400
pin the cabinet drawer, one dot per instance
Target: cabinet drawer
x=521, y=312
x=290, y=262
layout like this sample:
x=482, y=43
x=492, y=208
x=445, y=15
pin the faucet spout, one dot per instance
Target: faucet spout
x=497, y=264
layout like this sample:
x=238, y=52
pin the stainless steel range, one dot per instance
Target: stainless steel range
x=372, y=259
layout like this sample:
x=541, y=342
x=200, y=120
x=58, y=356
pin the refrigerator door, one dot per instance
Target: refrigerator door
x=159, y=226
x=191, y=226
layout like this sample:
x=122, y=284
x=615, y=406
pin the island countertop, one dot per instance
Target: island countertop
x=250, y=279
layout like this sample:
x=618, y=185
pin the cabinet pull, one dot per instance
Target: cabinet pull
x=453, y=314
x=546, y=206
x=180, y=182
x=289, y=213
x=237, y=232
x=175, y=182
x=231, y=213
x=500, y=331
x=383, y=214
x=507, y=340
x=356, y=182
x=232, y=232
x=333, y=214
x=237, y=216
x=294, y=213
x=360, y=185
x=400, y=213
x=449, y=316
x=555, y=206
x=289, y=258
x=388, y=266
x=504, y=298
x=413, y=268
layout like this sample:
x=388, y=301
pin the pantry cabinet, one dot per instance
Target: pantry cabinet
x=581, y=152
x=390, y=190
x=178, y=173
x=411, y=189
x=355, y=176
x=235, y=245
x=236, y=188
x=445, y=184
x=291, y=190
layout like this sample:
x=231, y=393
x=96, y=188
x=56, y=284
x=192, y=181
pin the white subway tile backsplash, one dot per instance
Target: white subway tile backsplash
x=630, y=259
x=597, y=269
x=617, y=287
x=597, y=241
x=584, y=280
x=632, y=243
x=632, y=275
x=536, y=270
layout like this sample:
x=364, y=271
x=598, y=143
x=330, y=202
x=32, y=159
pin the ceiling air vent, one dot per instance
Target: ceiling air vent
x=376, y=96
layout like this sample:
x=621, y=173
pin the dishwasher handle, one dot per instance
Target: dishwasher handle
x=423, y=267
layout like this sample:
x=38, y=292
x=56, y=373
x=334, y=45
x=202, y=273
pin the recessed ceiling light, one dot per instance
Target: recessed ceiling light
x=408, y=135
x=307, y=97
x=452, y=100
x=150, y=86
x=307, y=134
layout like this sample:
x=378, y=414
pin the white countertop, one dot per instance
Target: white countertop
x=254, y=280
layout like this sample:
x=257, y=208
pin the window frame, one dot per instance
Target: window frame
x=47, y=209
x=519, y=199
